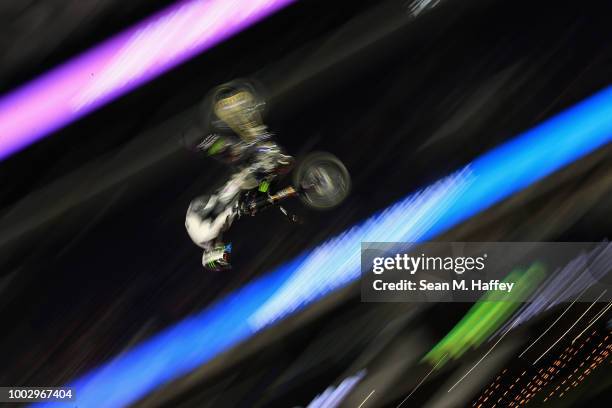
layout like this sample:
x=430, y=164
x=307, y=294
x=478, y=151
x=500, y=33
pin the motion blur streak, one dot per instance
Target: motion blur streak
x=566, y=283
x=486, y=316
x=120, y=64
x=333, y=396
x=510, y=387
x=489, y=179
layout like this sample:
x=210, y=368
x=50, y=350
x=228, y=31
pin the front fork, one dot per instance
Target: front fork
x=261, y=202
x=282, y=194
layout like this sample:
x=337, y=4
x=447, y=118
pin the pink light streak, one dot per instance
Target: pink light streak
x=120, y=64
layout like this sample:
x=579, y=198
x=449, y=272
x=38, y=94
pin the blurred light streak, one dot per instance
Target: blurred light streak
x=422, y=380
x=553, y=323
x=333, y=396
x=366, y=398
x=551, y=378
x=421, y=216
x=483, y=357
x=571, y=327
x=336, y=262
x=601, y=311
x=597, y=316
x=578, y=275
x=419, y=6
x=120, y=64
x=486, y=316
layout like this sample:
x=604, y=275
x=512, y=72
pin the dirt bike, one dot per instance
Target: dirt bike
x=320, y=181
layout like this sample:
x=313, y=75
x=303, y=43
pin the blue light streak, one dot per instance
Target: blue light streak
x=489, y=179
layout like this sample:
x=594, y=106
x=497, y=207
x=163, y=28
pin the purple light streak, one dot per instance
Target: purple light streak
x=120, y=64
x=569, y=282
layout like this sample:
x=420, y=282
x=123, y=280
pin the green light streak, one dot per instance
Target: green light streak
x=486, y=316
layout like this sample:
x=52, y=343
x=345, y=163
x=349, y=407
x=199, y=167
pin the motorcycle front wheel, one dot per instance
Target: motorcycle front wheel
x=322, y=180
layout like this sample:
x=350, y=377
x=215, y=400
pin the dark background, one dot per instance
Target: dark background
x=93, y=253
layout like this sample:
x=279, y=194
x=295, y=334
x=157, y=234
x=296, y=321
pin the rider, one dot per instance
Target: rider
x=234, y=133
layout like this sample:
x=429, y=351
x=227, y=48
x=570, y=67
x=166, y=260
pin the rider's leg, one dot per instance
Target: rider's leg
x=209, y=216
x=204, y=224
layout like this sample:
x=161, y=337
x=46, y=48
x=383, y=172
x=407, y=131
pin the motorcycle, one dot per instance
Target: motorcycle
x=320, y=181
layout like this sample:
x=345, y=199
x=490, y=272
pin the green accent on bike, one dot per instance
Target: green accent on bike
x=216, y=147
x=264, y=186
